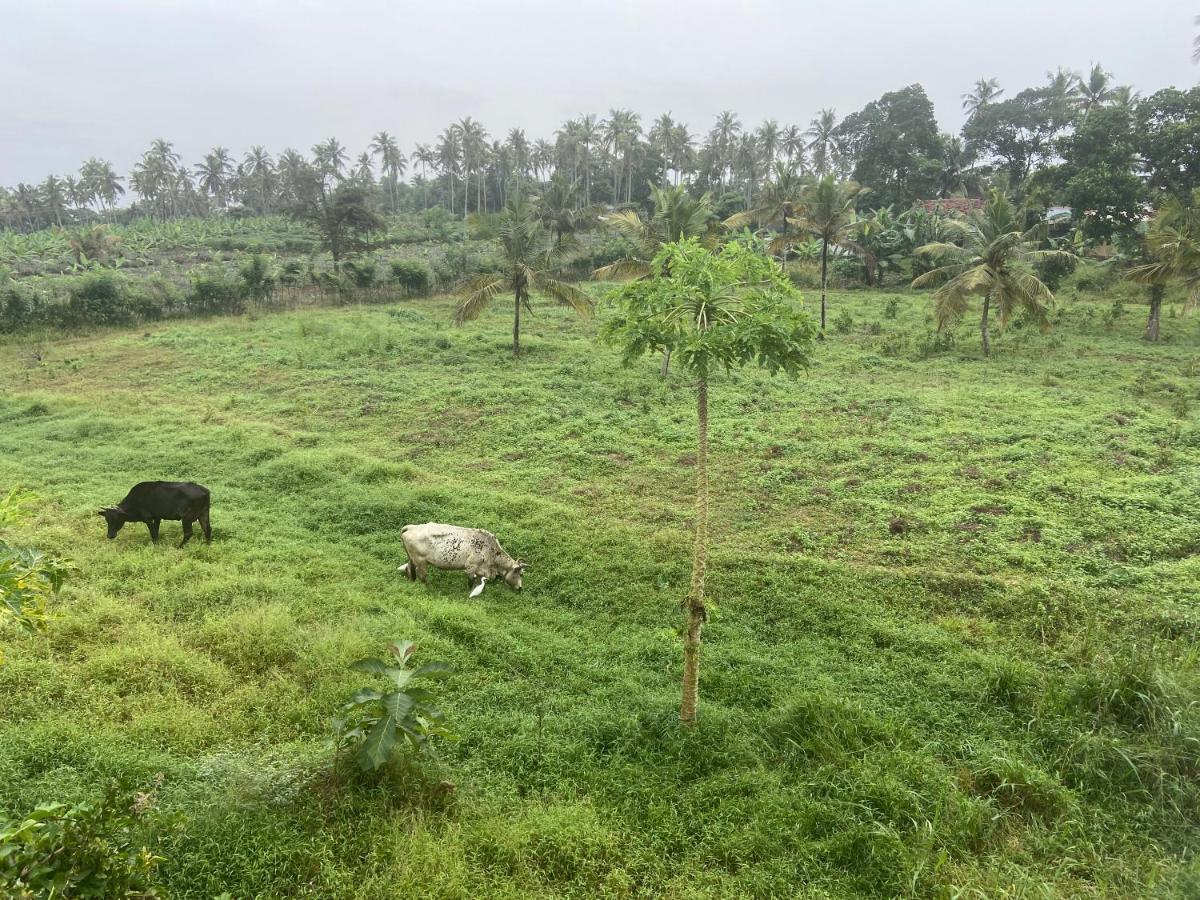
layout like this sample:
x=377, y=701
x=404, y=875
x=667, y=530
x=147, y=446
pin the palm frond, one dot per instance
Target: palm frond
x=948, y=308
x=480, y=292
x=940, y=275
x=1156, y=272
x=741, y=219
x=628, y=223
x=939, y=250
x=564, y=293
x=1034, y=297
x=623, y=270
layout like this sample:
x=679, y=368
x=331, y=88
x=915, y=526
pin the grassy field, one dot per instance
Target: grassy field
x=954, y=650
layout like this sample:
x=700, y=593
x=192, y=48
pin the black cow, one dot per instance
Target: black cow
x=153, y=501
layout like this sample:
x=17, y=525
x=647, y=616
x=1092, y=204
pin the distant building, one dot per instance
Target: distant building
x=960, y=205
x=1058, y=215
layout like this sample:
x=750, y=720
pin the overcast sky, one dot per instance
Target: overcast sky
x=105, y=77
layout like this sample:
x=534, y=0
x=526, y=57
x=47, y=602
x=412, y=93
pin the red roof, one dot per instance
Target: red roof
x=961, y=205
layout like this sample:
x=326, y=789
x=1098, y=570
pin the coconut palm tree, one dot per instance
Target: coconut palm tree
x=822, y=141
x=450, y=157
x=683, y=152
x=769, y=140
x=1062, y=95
x=557, y=209
x=425, y=157
x=362, y=174
x=677, y=215
x=291, y=169
x=260, y=172
x=1095, y=90
x=530, y=259
x=1173, y=245
x=588, y=134
x=213, y=174
x=102, y=181
x=391, y=162
x=330, y=158
x=662, y=139
x=794, y=145
x=985, y=91
x=723, y=140
x=828, y=215
x=542, y=158
x=53, y=199
x=780, y=201
x=472, y=139
x=993, y=263
x=520, y=152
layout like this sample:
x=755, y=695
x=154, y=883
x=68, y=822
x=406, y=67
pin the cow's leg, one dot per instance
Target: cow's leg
x=479, y=590
x=153, y=524
x=206, y=527
x=422, y=570
x=187, y=531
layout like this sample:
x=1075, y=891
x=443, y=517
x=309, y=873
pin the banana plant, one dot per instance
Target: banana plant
x=374, y=720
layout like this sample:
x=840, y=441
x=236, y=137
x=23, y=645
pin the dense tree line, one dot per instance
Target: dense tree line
x=1077, y=140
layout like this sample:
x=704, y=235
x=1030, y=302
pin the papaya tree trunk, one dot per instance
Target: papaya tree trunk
x=666, y=363
x=983, y=326
x=696, y=612
x=1156, y=299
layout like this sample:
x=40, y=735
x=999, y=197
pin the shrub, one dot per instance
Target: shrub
x=413, y=276
x=846, y=269
x=213, y=293
x=17, y=308
x=100, y=298
x=1093, y=276
x=373, y=720
x=84, y=850
x=933, y=342
x=891, y=308
x=1053, y=270
x=258, y=282
x=843, y=322
x=361, y=273
x=291, y=272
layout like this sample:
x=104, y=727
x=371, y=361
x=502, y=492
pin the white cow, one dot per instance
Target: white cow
x=470, y=550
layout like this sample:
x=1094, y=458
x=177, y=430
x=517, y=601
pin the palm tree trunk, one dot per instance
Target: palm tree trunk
x=983, y=326
x=696, y=612
x=824, y=271
x=1156, y=299
x=517, y=323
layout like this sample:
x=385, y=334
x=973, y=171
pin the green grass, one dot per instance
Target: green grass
x=953, y=651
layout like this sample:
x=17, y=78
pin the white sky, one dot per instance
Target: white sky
x=105, y=77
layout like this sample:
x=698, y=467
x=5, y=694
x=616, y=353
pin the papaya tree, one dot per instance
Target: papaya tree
x=714, y=311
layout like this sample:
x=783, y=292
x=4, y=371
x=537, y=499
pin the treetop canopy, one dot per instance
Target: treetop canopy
x=713, y=310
